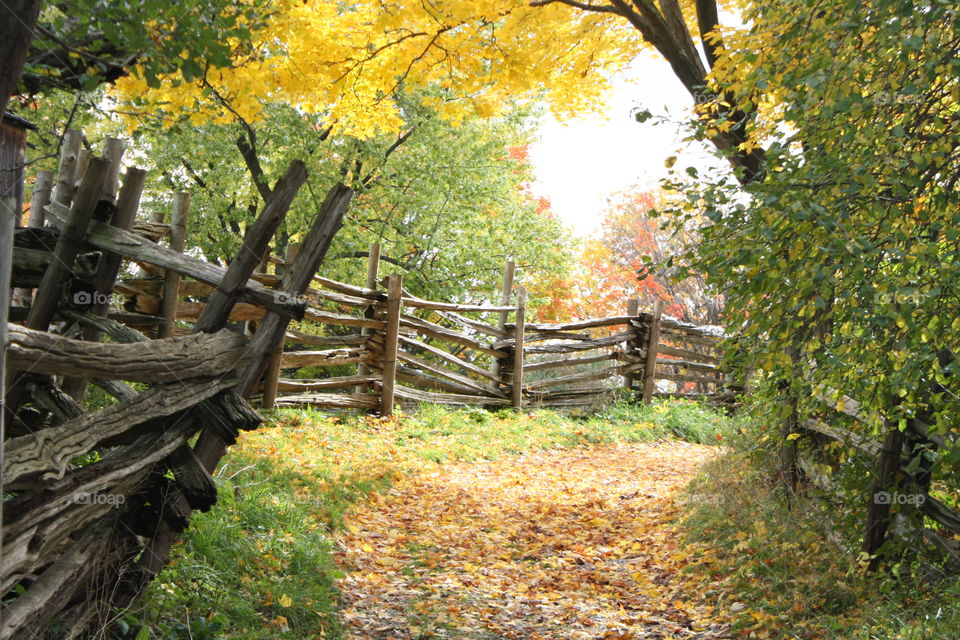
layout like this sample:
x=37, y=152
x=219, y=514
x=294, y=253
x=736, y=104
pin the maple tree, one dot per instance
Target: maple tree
x=629, y=257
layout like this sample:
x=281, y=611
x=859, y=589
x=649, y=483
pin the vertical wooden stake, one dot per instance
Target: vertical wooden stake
x=650, y=364
x=41, y=198
x=108, y=267
x=272, y=376
x=171, y=281
x=518, y=335
x=391, y=343
x=506, y=292
x=113, y=151
x=878, y=511
x=42, y=189
x=373, y=272
x=68, y=245
x=67, y=172
x=630, y=346
x=13, y=143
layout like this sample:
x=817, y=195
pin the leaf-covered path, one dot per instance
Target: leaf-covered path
x=562, y=544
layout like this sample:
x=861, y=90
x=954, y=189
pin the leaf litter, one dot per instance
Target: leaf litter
x=576, y=544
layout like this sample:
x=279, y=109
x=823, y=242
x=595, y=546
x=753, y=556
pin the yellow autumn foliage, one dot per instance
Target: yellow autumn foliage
x=346, y=61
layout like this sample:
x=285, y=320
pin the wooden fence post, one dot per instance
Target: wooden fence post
x=878, y=511
x=271, y=378
x=650, y=363
x=171, y=280
x=108, y=267
x=13, y=142
x=518, y=335
x=630, y=346
x=391, y=343
x=506, y=292
x=67, y=173
x=42, y=190
x=373, y=272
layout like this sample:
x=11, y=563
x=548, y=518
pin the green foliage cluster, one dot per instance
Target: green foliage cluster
x=840, y=266
x=83, y=43
x=449, y=204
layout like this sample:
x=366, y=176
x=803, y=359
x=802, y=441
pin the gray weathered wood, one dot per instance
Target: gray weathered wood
x=113, y=149
x=433, y=330
x=590, y=323
x=192, y=478
x=67, y=172
x=68, y=245
x=373, y=274
x=164, y=360
x=570, y=362
x=581, y=345
x=408, y=393
x=341, y=319
x=299, y=337
x=391, y=343
x=331, y=400
x=326, y=358
x=448, y=357
x=108, y=266
x=133, y=247
x=629, y=347
x=516, y=383
x=436, y=369
x=597, y=374
x=48, y=452
x=171, y=281
x=42, y=190
x=650, y=364
x=319, y=384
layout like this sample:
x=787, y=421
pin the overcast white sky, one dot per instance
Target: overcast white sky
x=580, y=163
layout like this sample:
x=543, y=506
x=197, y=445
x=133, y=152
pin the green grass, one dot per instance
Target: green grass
x=259, y=564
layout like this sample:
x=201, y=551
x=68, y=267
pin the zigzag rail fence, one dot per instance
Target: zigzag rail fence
x=94, y=499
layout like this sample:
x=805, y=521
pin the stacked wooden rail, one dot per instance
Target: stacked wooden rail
x=414, y=350
x=94, y=499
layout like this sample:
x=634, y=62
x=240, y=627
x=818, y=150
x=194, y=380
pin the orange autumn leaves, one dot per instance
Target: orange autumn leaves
x=564, y=544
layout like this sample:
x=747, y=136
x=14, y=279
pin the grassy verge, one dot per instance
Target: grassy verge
x=258, y=565
x=793, y=572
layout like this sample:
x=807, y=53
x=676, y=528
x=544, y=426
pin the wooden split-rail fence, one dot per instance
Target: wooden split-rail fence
x=410, y=350
x=93, y=499
x=903, y=473
x=105, y=297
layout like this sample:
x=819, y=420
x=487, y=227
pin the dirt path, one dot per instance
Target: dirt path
x=573, y=544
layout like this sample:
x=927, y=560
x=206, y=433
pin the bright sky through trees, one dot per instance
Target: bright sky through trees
x=581, y=163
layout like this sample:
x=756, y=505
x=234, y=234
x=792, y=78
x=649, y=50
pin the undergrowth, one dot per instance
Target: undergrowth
x=259, y=564
x=791, y=568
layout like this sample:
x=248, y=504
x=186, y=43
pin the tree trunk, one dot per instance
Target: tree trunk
x=19, y=19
